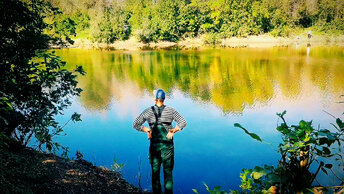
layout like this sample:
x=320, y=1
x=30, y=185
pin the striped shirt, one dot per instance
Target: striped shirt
x=167, y=116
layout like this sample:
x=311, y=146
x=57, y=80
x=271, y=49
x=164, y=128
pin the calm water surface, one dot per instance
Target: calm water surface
x=212, y=89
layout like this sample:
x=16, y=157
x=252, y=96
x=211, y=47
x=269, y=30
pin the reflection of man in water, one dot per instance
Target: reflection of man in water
x=160, y=133
x=309, y=35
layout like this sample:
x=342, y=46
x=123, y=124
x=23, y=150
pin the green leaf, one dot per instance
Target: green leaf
x=324, y=140
x=258, y=175
x=268, y=167
x=292, y=136
x=80, y=70
x=309, y=129
x=195, y=191
x=321, y=133
x=49, y=147
x=247, y=171
x=299, y=145
x=325, y=130
x=253, y=135
x=281, y=114
x=319, y=152
x=206, y=187
x=273, y=178
x=332, y=136
x=335, y=126
x=326, y=150
x=283, y=128
x=76, y=117
x=302, y=124
x=340, y=123
x=258, y=172
x=301, y=133
x=280, y=128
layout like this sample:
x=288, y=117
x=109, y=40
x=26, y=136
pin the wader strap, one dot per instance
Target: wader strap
x=157, y=115
x=166, y=123
x=159, y=131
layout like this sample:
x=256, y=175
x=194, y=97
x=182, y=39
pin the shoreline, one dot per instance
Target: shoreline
x=25, y=170
x=261, y=41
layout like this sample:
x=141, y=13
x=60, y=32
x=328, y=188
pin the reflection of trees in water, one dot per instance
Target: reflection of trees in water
x=231, y=79
x=97, y=82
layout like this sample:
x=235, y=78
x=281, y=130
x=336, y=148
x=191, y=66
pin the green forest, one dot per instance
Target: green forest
x=172, y=20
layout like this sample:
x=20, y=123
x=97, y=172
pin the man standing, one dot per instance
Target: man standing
x=160, y=133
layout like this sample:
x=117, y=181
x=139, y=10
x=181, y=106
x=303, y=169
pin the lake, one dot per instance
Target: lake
x=212, y=89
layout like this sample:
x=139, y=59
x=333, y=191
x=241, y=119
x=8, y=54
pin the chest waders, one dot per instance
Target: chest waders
x=161, y=151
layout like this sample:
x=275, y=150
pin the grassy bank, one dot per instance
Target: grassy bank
x=211, y=41
x=24, y=170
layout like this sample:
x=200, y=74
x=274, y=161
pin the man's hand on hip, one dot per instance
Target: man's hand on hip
x=148, y=131
x=171, y=132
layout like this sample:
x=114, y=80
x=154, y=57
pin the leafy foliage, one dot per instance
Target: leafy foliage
x=116, y=166
x=302, y=146
x=109, y=23
x=35, y=85
x=61, y=28
x=216, y=190
x=78, y=155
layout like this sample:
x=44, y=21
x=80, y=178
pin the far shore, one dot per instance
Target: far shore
x=261, y=41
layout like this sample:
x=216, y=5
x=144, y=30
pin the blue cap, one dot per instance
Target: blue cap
x=160, y=94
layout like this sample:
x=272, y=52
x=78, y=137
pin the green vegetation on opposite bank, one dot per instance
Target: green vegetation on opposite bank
x=174, y=20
